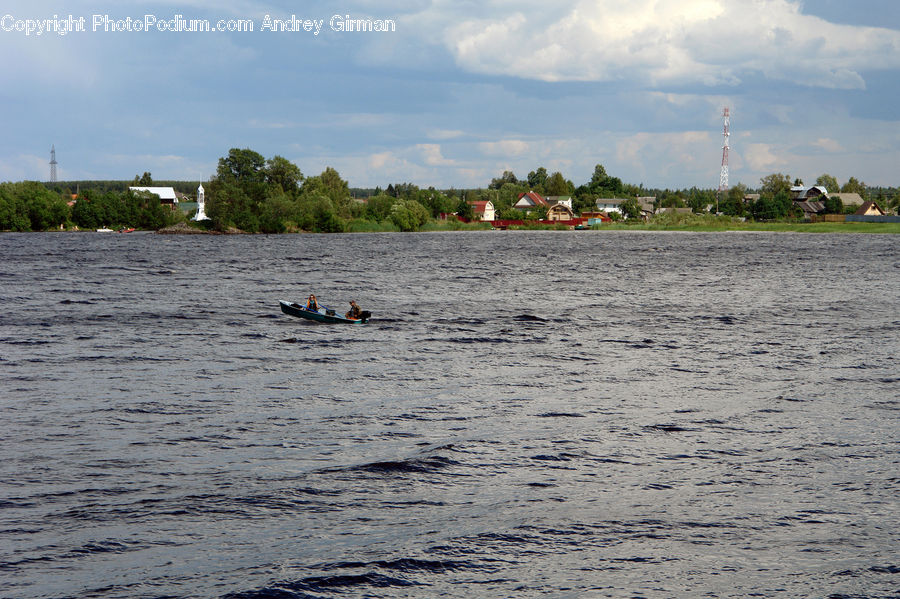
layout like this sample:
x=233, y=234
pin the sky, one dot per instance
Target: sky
x=455, y=92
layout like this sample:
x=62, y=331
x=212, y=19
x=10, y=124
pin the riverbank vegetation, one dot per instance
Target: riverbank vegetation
x=713, y=223
x=250, y=193
x=30, y=206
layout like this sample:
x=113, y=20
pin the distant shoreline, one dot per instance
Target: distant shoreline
x=809, y=228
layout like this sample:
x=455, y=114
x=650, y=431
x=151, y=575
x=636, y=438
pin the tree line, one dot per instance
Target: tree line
x=253, y=194
x=30, y=206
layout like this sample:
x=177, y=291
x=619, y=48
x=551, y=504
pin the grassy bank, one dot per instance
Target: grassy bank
x=710, y=223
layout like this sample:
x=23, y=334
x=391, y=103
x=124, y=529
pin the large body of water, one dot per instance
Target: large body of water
x=529, y=414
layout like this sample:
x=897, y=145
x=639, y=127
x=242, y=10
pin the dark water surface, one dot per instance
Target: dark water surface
x=572, y=414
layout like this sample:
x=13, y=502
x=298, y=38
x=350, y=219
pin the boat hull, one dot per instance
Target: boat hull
x=295, y=309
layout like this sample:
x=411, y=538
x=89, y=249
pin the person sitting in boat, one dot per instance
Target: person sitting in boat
x=354, y=312
x=311, y=304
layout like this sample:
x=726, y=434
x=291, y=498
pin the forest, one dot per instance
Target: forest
x=253, y=194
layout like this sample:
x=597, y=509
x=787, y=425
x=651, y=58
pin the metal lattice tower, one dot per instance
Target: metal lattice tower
x=53, y=164
x=723, y=175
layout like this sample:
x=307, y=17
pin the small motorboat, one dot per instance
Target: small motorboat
x=322, y=315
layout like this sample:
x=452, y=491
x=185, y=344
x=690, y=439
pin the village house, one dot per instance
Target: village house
x=810, y=201
x=648, y=206
x=530, y=200
x=801, y=193
x=608, y=205
x=565, y=200
x=848, y=199
x=167, y=195
x=870, y=209
x=484, y=210
x=558, y=212
x=810, y=209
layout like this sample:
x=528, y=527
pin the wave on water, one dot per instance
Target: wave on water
x=356, y=577
x=421, y=465
x=529, y=318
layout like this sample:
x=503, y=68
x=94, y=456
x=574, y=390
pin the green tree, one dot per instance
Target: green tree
x=378, y=208
x=143, y=210
x=13, y=209
x=834, y=204
x=45, y=209
x=538, y=212
x=598, y=179
x=317, y=214
x=508, y=214
x=409, y=215
x=700, y=199
x=465, y=210
x=242, y=166
x=732, y=203
x=855, y=186
x=603, y=185
x=771, y=185
x=537, y=179
x=283, y=173
x=86, y=213
x=277, y=210
x=435, y=201
x=228, y=204
x=556, y=185
x=145, y=180
x=762, y=208
x=828, y=182
x=337, y=190
x=672, y=199
x=583, y=199
x=893, y=203
x=631, y=208
x=784, y=206
x=769, y=207
x=244, y=169
x=505, y=178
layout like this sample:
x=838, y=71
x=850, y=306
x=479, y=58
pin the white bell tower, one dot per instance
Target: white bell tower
x=201, y=203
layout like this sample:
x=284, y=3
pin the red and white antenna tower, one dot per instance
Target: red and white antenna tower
x=723, y=175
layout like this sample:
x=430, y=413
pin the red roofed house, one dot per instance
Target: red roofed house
x=484, y=210
x=530, y=200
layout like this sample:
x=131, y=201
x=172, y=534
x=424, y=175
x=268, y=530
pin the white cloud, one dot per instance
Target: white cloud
x=506, y=147
x=432, y=155
x=760, y=157
x=828, y=144
x=443, y=134
x=384, y=160
x=658, y=42
x=653, y=155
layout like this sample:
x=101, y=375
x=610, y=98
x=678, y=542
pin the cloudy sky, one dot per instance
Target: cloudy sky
x=459, y=91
